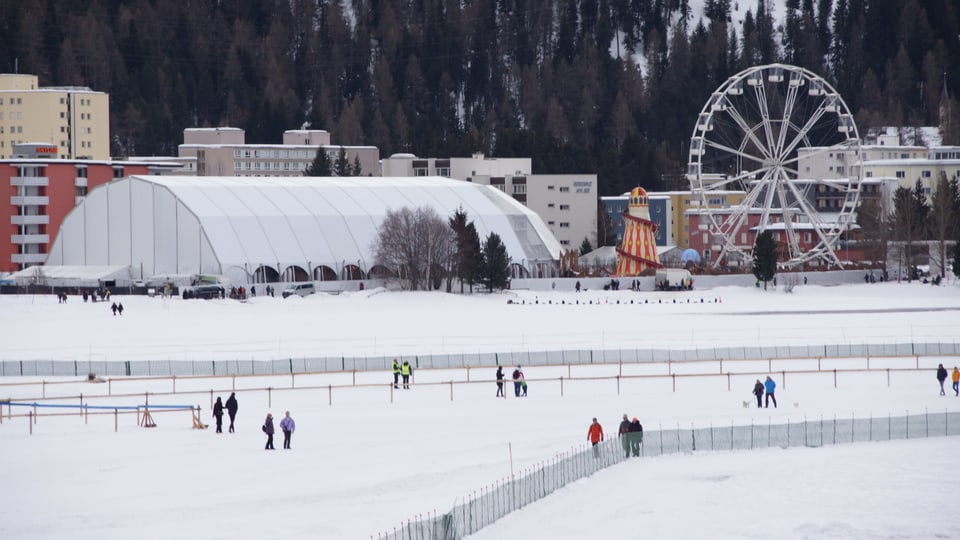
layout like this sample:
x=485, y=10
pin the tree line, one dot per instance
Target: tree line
x=610, y=87
x=423, y=252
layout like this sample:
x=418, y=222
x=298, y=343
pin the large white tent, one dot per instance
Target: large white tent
x=275, y=229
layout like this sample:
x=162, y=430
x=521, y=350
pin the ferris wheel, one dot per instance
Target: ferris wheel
x=758, y=135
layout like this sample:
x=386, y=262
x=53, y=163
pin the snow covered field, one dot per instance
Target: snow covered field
x=363, y=465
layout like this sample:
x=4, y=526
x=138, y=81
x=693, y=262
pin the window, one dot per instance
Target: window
x=564, y=225
x=551, y=223
x=236, y=165
x=564, y=242
x=551, y=205
x=901, y=174
x=63, y=114
x=236, y=152
x=925, y=174
x=549, y=188
x=743, y=238
x=81, y=172
x=519, y=188
x=118, y=172
x=81, y=191
x=869, y=174
x=840, y=170
x=807, y=238
x=443, y=171
x=564, y=207
x=565, y=189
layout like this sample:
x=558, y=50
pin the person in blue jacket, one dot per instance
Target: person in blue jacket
x=770, y=386
x=287, y=425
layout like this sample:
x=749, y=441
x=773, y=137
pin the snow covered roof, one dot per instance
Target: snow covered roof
x=234, y=225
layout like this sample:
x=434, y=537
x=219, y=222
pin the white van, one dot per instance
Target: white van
x=673, y=279
x=299, y=289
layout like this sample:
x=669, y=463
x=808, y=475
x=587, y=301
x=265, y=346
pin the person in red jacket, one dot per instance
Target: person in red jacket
x=595, y=435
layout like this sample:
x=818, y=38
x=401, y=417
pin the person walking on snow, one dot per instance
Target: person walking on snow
x=268, y=429
x=623, y=434
x=941, y=376
x=758, y=391
x=956, y=381
x=635, y=436
x=232, y=408
x=595, y=435
x=287, y=425
x=396, y=373
x=770, y=386
x=500, y=382
x=218, y=414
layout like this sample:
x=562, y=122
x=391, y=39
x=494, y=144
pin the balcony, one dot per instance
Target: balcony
x=29, y=181
x=30, y=220
x=29, y=200
x=26, y=239
x=28, y=258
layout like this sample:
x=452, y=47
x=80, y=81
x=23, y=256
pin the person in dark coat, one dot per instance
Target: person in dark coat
x=232, y=408
x=114, y=309
x=218, y=414
x=623, y=434
x=500, y=382
x=120, y=308
x=636, y=437
x=268, y=429
x=941, y=376
x=517, y=377
x=758, y=391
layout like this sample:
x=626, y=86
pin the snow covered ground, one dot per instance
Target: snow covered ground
x=363, y=465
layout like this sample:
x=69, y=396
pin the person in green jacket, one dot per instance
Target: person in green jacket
x=396, y=373
x=406, y=370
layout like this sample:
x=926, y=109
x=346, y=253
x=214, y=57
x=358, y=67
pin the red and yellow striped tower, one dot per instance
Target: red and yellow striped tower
x=638, y=250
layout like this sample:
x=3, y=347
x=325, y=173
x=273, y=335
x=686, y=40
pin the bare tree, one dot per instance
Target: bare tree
x=418, y=244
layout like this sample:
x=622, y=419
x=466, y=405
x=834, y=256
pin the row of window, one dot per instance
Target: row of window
x=277, y=154
x=562, y=206
x=13, y=101
x=267, y=166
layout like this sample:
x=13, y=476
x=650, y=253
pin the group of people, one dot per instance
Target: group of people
x=519, y=382
x=117, y=308
x=269, y=290
x=942, y=377
x=287, y=425
x=768, y=387
x=630, y=433
x=404, y=370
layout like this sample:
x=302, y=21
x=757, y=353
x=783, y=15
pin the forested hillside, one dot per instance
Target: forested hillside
x=605, y=86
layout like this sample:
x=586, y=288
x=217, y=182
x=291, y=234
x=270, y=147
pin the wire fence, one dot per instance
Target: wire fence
x=505, y=496
x=153, y=368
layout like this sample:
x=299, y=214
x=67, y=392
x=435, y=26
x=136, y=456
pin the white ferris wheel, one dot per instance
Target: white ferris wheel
x=753, y=135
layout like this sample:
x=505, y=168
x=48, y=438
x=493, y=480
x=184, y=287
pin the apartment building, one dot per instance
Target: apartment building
x=39, y=190
x=223, y=151
x=73, y=119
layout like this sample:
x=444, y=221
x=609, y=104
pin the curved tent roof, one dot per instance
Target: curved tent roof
x=235, y=225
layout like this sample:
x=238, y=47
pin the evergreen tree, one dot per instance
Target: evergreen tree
x=956, y=257
x=468, y=256
x=320, y=165
x=585, y=247
x=765, y=258
x=357, y=169
x=342, y=165
x=910, y=220
x=944, y=216
x=496, y=264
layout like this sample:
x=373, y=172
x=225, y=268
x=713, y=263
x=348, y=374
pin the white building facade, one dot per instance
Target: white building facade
x=567, y=203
